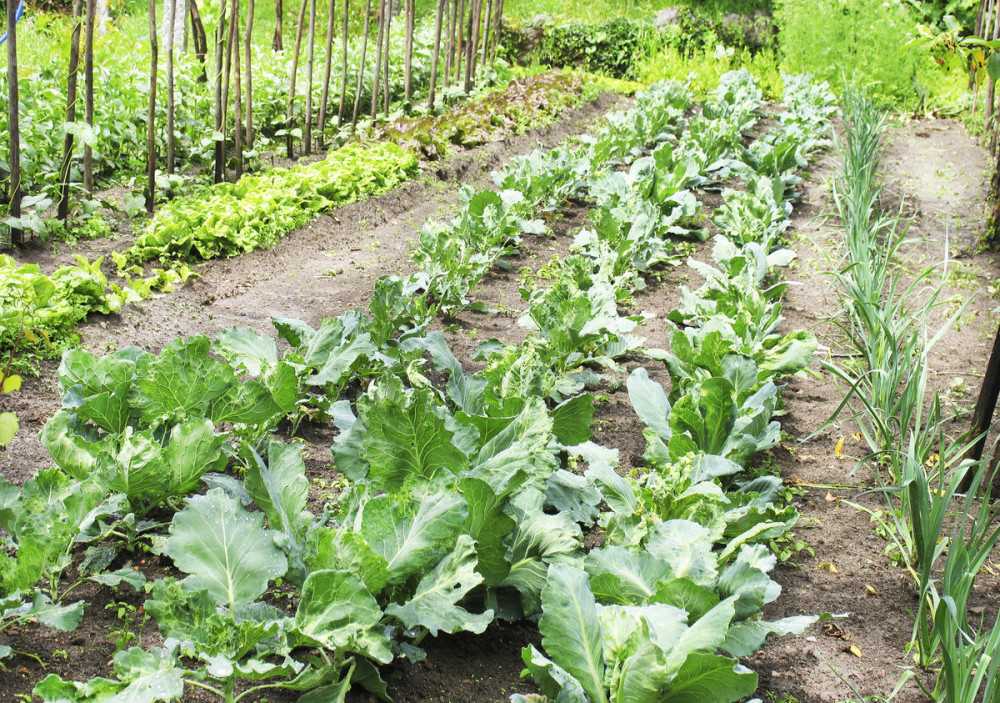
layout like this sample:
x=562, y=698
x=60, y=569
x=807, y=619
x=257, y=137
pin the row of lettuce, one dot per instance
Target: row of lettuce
x=40, y=311
x=460, y=503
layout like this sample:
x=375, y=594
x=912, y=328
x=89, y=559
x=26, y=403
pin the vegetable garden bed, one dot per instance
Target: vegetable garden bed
x=320, y=286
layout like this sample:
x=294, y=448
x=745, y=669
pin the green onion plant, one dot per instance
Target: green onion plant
x=943, y=537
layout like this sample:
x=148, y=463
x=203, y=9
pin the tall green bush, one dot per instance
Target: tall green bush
x=859, y=38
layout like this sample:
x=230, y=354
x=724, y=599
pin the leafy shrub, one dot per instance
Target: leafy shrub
x=935, y=10
x=613, y=48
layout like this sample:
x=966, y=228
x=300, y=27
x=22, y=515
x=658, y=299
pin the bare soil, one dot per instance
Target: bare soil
x=934, y=172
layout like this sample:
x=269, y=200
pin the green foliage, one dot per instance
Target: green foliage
x=571, y=11
x=934, y=11
x=703, y=67
x=860, y=39
x=232, y=218
x=44, y=519
x=613, y=48
x=121, y=98
x=226, y=550
x=142, y=677
x=622, y=653
x=38, y=312
x=920, y=468
x=456, y=507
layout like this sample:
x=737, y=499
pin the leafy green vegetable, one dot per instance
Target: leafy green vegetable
x=630, y=653
x=226, y=549
x=142, y=677
x=337, y=612
x=232, y=218
x=435, y=603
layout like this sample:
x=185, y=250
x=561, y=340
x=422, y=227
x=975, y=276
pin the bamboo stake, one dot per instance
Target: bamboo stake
x=227, y=80
x=469, y=49
x=378, y=57
x=991, y=84
x=67, y=160
x=487, y=26
x=361, y=66
x=980, y=15
x=435, y=55
x=290, y=111
x=343, y=72
x=474, y=46
x=459, y=40
x=13, y=125
x=151, y=118
x=88, y=75
x=325, y=96
x=307, y=138
x=983, y=415
x=497, y=26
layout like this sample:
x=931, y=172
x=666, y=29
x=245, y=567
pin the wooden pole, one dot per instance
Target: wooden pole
x=307, y=137
x=88, y=75
x=220, y=137
x=247, y=46
x=231, y=48
x=435, y=55
x=408, y=52
x=361, y=66
x=487, y=26
x=459, y=40
x=327, y=67
x=980, y=15
x=13, y=126
x=474, y=44
x=168, y=41
x=993, y=25
x=67, y=160
x=151, y=118
x=378, y=57
x=388, y=47
x=200, y=38
x=449, y=54
x=238, y=93
x=343, y=71
x=985, y=405
x=470, y=45
x=497, y=26
x=290, y=111
x=279, y=11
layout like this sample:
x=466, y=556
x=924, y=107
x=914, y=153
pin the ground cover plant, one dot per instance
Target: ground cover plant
x=446, y=483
